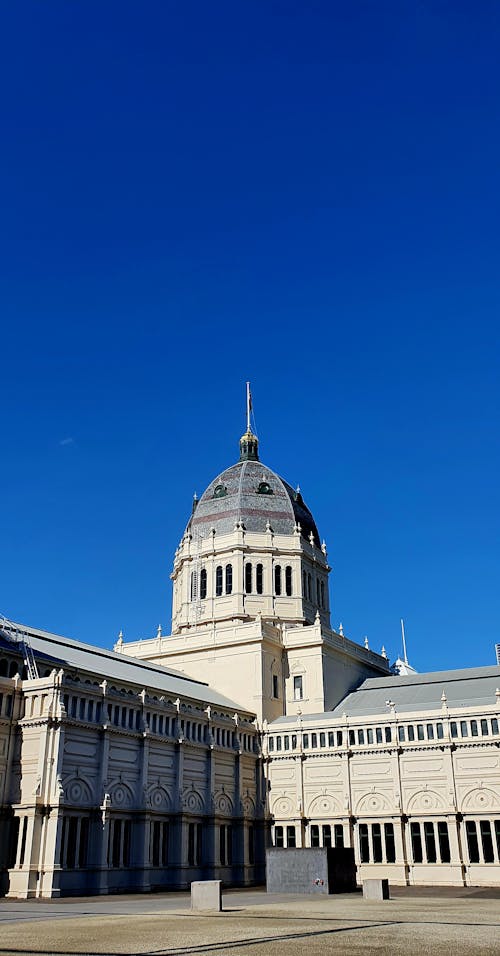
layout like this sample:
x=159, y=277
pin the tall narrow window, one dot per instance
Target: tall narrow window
x=416, y=842
x=444, y=841
x=430, y=842
x=290, y=837
x=485, y=828
x=203, y=584
x=304, y=585
x=288, y=581
x=309, y=587
x=248, y=578
x=327, y=835
x=314, y=835
x=390, y=846
x=276, y=691
x=251, y=845
x=218, y=581
x=339, y=834
x=259, y=579
x=322, y=593
x=277, y=580
x=364, y=843
x=229, y=578
x=473, y=845
x=278, y=836
x=377, y=843
x=317, y=592
x=297, y=688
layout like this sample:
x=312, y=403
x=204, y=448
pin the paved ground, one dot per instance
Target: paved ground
x=450, y=922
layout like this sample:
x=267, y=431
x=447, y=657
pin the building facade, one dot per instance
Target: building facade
x=178, y=757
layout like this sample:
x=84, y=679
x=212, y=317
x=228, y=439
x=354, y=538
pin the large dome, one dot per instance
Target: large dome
x=251, y=492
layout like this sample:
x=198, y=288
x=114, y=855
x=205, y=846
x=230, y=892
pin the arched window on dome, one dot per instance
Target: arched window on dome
x=288, y=581
x=248, y=578
x=229, y=578
x=259, y=578
x=277, y=580
x=218, y=581
x=203, y=584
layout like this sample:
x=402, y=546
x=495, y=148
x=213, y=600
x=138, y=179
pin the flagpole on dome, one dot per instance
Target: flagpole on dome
x=249, y=406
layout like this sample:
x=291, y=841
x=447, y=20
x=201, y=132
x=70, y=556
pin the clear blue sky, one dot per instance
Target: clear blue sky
x=303, y=194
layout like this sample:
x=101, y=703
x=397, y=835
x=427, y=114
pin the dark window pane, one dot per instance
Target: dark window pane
x=485, y=828
x=444, y=842
x=203, y=584
x=218, y=581
x=277, y=580
x=453, y=729
x=259, y=578
x=401, y=734
x=290, y=836
x=416, y=842
x=338, y=831
x=364, y=843
x=278, y=836
x=390, y=846
x=248, y=578
x=229, y=578
x=473, y=728
x=473, y=846
x=288, y=581
x=430, y=842
x=377, y=843
x=327, y=835
x=314, y=835
x=440, y=732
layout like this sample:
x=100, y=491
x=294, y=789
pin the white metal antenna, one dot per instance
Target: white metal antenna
x=405, y=656
x=249, y=405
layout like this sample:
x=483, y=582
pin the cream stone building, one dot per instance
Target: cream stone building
x=178, y=757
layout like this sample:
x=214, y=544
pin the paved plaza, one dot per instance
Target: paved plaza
x=413, y=921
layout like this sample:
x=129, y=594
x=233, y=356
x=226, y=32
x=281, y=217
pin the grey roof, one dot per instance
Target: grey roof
x=64, y=652
x=463, y=688
x=234, y=494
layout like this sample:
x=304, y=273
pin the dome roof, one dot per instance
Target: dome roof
x=253, y=493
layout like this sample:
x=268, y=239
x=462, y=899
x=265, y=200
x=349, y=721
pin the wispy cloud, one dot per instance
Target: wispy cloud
x=67, y=441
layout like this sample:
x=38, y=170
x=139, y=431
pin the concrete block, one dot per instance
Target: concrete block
x=376, y=889
x=206, y=895
x=314, y=870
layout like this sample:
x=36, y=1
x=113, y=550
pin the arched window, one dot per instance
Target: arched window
x=259, y=579
x=288, y=581
x=304, y=585
x=194, y=585
x=277, y=579
x=309, y=586
x=218, y=581
x=248, y=577
x=317, y=592
x=4, y=665
x=229, y=578
x=203, y=584
x=322, y=594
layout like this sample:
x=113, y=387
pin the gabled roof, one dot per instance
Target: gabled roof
x=120, y=668
x=472, y=687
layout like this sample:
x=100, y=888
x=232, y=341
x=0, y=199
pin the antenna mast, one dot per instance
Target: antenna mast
x=405, y=657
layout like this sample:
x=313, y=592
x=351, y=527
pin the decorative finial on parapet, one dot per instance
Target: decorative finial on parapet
x=341, y=629
x=383, y=652
x=158, y=633
x=323, y=547
x=118, y=645
x=317, y=619
x=365, y=642
x=311, y=539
